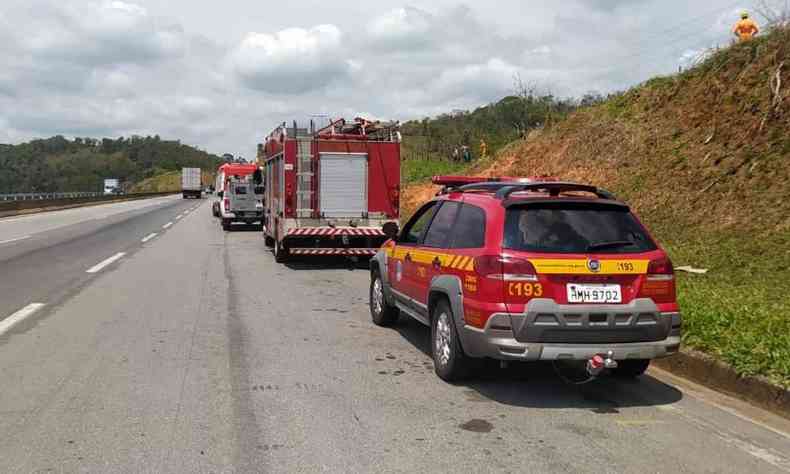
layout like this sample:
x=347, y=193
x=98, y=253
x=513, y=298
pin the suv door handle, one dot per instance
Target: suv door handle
x=407, y=257
x=437, y=264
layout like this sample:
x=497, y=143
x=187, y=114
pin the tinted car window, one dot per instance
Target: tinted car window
x=470, y=228
x=416, y=226
x=575, y=228
x=441, y=225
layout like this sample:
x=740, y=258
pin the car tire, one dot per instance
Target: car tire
x=280, y=252
x=631, y=368
x=381, y=312
x=449, y=360
x=268, y=241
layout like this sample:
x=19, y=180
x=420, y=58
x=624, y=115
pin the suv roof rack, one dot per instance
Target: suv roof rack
x=504, y=186
x=554, y=188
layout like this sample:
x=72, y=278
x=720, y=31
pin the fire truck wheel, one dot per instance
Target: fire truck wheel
x=631, y=368
x=380, y=311
x=280, y=252
x=449, y=360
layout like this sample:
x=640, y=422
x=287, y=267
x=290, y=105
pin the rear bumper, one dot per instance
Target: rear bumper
x=248, y=216
x=497, y=341
x=348, y=241
x=335, y=232
x=346, y=252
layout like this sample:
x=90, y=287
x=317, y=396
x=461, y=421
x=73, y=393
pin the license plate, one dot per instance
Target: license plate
x=594, y=293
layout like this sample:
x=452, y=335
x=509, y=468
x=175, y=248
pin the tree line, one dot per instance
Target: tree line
x=59, y=164
x=496, y=124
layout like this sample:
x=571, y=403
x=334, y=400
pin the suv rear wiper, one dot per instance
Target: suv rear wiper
x=609, y=245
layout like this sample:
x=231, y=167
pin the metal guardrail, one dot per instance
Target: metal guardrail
x=46, y=196
x=37, y=202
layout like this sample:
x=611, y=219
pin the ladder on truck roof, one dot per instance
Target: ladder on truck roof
x=305, y=175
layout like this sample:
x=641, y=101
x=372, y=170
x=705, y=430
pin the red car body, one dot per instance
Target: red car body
x=517, y=288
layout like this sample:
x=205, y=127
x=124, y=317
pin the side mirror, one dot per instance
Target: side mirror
x=257, y=176
x=391, y=230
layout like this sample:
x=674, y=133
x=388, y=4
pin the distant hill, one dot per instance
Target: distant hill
x=428, y=144
x=704, y=158
x=498, y=124
x=58, y=164
x=168, y=181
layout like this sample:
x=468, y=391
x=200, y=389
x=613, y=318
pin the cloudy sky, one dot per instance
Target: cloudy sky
x=220, y=75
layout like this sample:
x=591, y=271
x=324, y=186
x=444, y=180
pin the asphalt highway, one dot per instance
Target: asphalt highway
x=196, y=352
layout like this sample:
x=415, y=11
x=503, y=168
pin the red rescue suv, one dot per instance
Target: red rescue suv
x=524, y=269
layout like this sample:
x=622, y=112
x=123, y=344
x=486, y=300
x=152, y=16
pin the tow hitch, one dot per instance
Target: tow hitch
x=597, y=364
x=576, y=375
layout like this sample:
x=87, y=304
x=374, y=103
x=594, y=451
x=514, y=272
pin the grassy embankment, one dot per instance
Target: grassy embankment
x=703, y=157
x=166, y=181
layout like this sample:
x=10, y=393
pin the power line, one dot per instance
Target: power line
x=661, y=49
x=691, y=20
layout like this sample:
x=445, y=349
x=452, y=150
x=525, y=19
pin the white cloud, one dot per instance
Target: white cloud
x=405, y=27
x=100, y=34
x=291, y=61
x=485, y=82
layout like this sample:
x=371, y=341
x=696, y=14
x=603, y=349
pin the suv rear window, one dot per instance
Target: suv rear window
x=574, y=228
x=240, y=189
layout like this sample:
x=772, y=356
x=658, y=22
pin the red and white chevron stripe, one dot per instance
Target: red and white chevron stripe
x=329, y=252
x=333, y=231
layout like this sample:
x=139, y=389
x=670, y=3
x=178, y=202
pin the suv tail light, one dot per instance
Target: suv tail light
x=661, y=270
x=226, y=204
x=500, y=267
x=660, y=282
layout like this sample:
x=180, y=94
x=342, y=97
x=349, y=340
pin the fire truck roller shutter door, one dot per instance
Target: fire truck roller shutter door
x=343, y=184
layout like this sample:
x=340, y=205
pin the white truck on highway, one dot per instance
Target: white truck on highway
x=112, y=186
x=191, y=183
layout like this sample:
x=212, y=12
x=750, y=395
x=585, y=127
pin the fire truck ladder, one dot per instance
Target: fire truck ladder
x=304, y=177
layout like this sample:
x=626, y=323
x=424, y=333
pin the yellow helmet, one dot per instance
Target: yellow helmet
x=744, y=15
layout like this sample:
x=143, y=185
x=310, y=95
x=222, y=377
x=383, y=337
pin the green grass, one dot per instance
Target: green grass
x=423, y=170
x=740, y=310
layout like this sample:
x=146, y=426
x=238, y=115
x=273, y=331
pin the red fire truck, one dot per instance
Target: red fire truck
x=330, y=191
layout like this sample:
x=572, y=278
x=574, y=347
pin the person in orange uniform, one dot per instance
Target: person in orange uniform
x=745, y=29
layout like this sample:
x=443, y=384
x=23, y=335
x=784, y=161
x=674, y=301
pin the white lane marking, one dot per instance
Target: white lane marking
x=14, y=240
x=99, y=266
x=11, y=321
x=179, y=216
x=168, y=225
x=763, y=454
x=706, y=395
x=149, y=237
